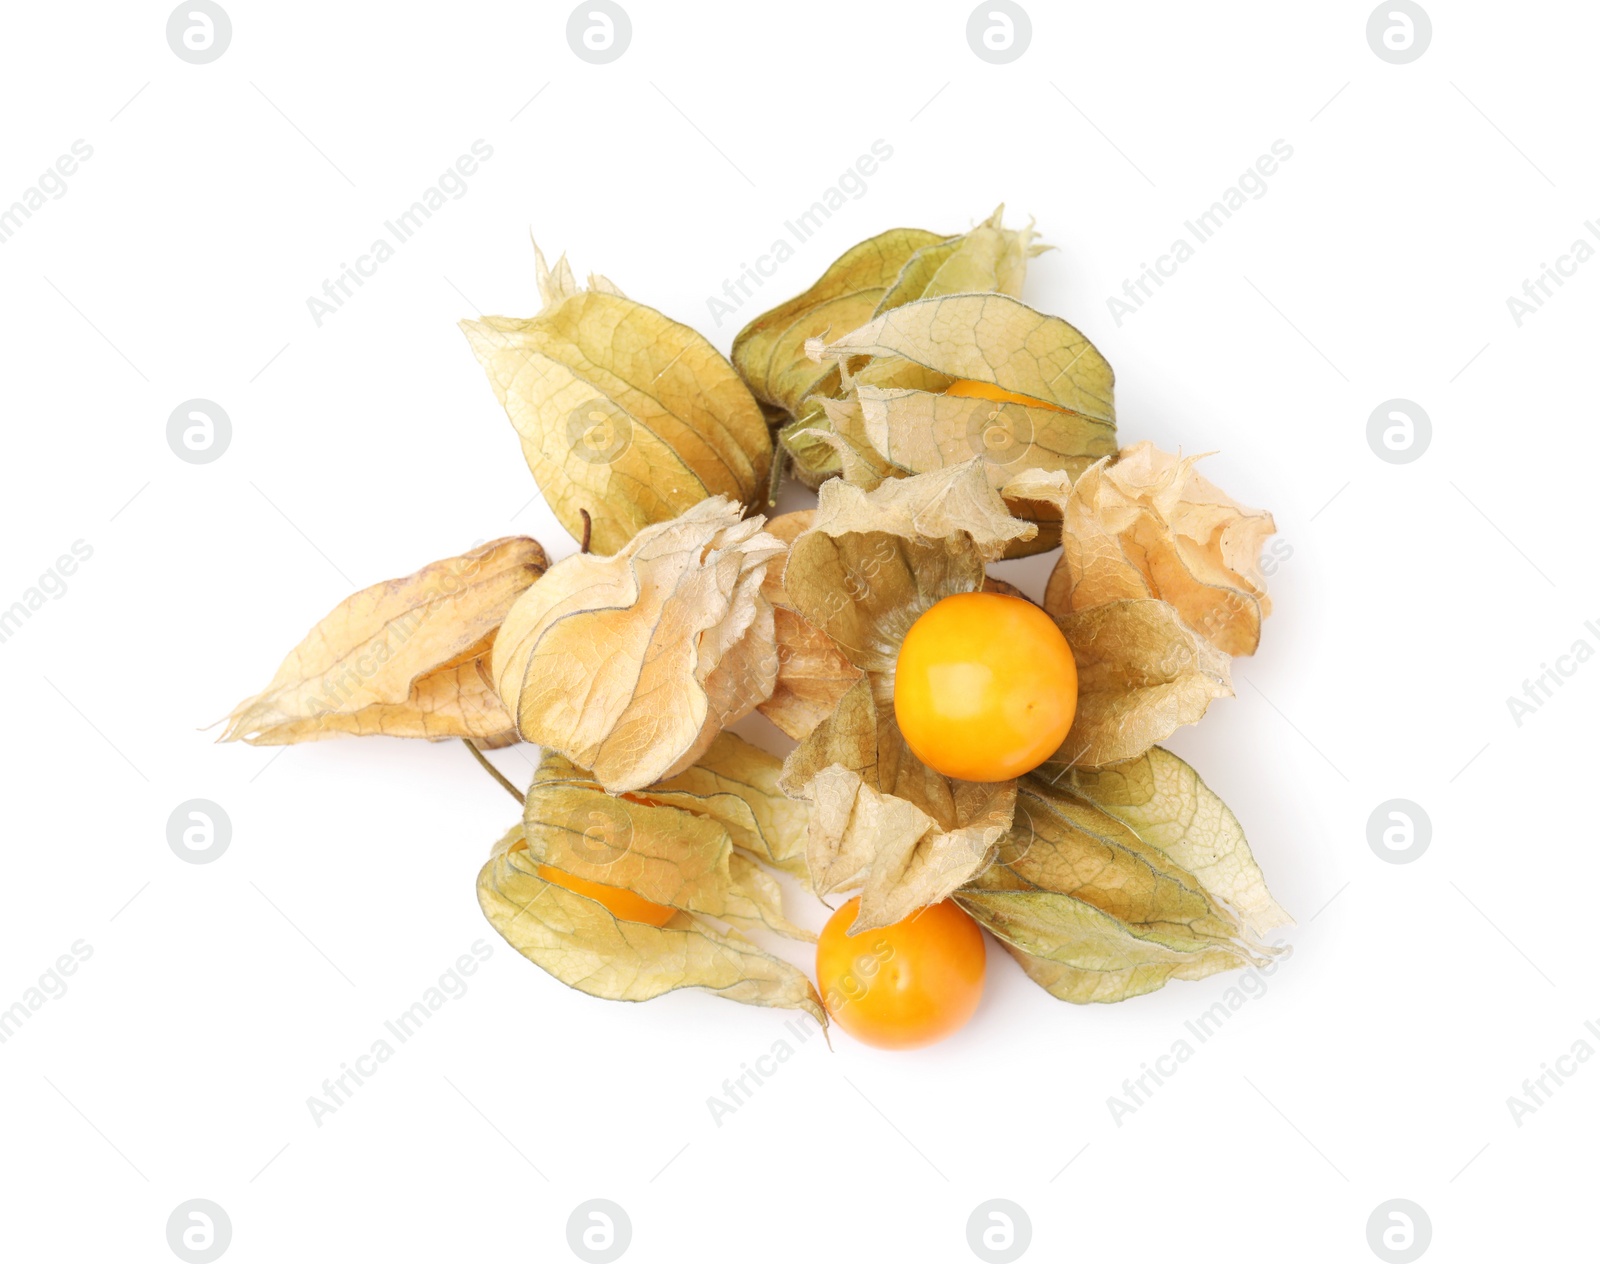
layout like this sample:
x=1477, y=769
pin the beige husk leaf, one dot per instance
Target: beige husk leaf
x=813, y=672
x=876, y=433
x=577, y=940
x=1111, y=883
x=405, y=658
x=870, y=564
x=1142, y=675
x=1147, y=525
x=895, y=418
x=630, y=665
x=873, y=277
x=622, y=411
x=882, y=820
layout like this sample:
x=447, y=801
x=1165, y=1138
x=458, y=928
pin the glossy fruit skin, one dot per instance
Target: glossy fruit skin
x=985, y=687
x=622, y=903
x=906, y=985
x=970, y=388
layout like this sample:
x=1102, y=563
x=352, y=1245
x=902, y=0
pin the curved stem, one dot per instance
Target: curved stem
x=493, y=771
x=588, y=529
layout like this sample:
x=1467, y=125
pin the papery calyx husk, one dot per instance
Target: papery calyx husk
x=872, y=277
x=405, y=658
x=1142, y=675
x=769, y=352
x=1111, y=883
x=1146, y=524
x=736, y=784
x=869, y=566
x=630, y=665
x=692, y=841
x=684, y=859
x=814, y=673
x=898, y=414
x=622, y=412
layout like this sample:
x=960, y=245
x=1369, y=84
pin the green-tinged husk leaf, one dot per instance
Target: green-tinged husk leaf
x=1112, y=883
x=874, y=277
x=769, y=352
x=811, y=457
x=990, y=338
x=577, y=940
x=987, y=257
x=623, y=412
x=736, y=785
x=688, y=842
x=897, y=418
x=840, y=426
x=1165, y=801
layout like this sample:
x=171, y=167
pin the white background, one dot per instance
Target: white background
x=1417, y=598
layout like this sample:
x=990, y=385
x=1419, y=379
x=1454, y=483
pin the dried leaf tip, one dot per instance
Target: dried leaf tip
x=407, y=657
x=620, y=410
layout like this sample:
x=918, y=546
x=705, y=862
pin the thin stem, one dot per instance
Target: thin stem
x=493, y=771
x=780, y=466
x=588, y=529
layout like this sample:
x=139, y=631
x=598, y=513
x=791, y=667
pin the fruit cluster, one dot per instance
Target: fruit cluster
x=963, y=757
